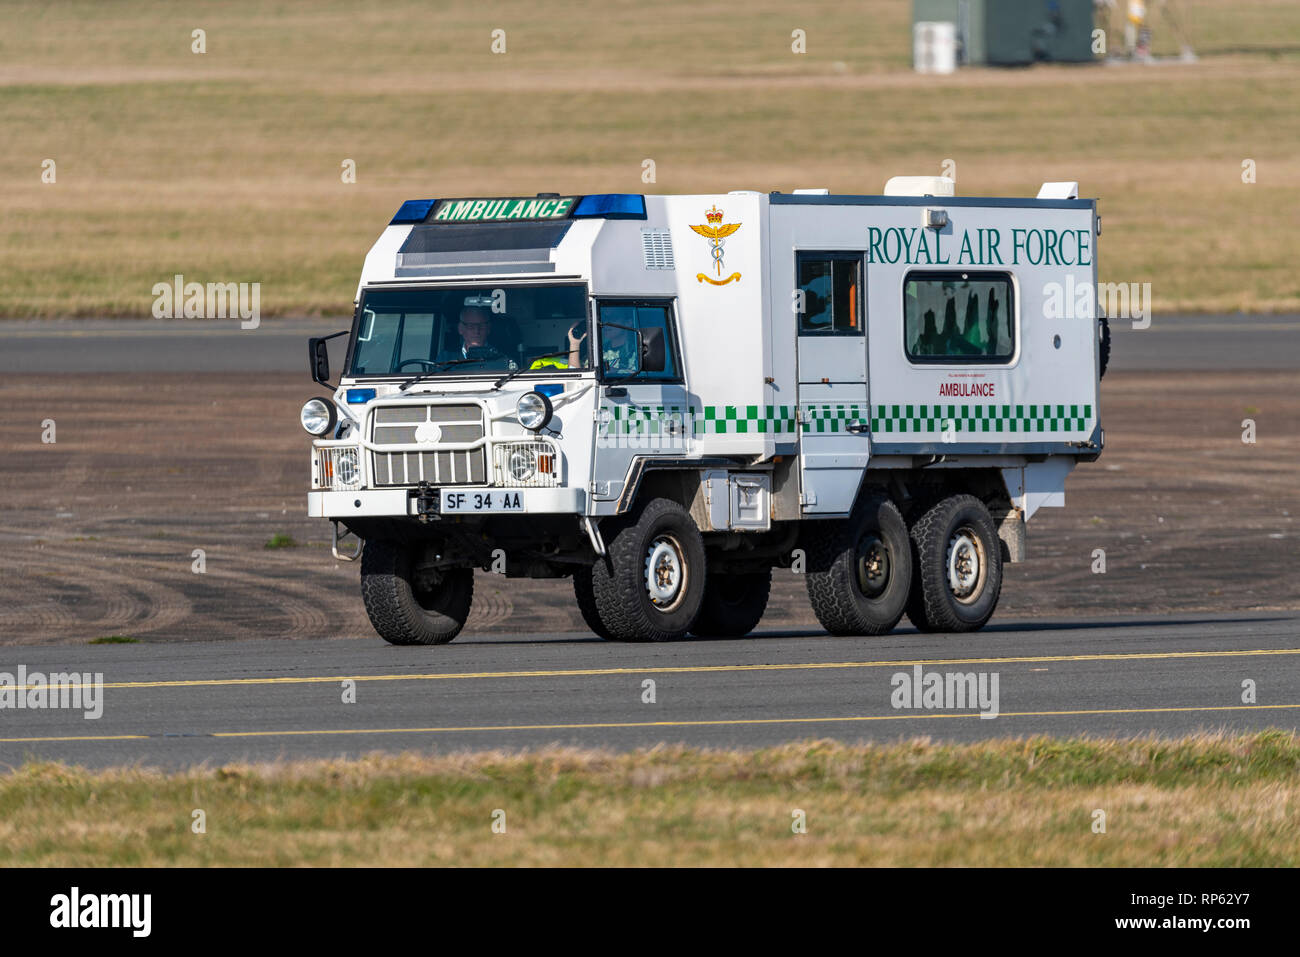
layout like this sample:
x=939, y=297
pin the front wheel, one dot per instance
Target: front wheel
x=650, y=584
x=958, y=566
x=410, y=605
x=586, y=598
x=860, y=570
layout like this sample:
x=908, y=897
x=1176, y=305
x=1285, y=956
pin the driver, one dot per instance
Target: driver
x=474, y=328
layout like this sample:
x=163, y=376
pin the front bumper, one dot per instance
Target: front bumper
x=402, y=502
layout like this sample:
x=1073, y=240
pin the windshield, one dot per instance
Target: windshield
x=471, y=330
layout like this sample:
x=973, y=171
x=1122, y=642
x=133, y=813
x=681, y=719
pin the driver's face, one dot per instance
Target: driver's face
x=474, y=326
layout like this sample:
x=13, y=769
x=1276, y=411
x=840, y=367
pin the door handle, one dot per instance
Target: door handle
x=858, y=427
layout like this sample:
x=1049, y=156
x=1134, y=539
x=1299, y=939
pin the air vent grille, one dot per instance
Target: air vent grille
x=657, y=249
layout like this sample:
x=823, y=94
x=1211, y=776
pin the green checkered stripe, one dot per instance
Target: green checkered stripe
x=641, y=420
x=745, y=419
x=1004, y=419
x=710, y=420
x=832, y=417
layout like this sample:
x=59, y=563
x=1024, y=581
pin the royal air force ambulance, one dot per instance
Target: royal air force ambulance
x=663, y=398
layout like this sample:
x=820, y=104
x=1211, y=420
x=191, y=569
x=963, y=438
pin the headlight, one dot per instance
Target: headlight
x=523, y=465
x=346, y=467
x=317, y=416
x=534, y=411
x=532, y=464
x=338, y=468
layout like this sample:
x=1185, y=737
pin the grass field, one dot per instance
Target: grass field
x=225, y=166
x=1205, y=801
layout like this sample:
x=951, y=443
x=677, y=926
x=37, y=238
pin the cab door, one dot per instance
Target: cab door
x=834, y=417
x=640, y=412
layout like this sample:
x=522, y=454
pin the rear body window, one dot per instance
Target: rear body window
x=959, y=317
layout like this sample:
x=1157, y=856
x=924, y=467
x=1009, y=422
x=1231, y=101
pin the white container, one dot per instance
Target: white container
x=934, y=46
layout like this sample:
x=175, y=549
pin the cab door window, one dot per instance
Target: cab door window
x=619, y=324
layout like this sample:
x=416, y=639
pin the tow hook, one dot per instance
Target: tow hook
x=428, y=502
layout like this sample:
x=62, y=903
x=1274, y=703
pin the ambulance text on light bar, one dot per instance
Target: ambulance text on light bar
x=502, y=210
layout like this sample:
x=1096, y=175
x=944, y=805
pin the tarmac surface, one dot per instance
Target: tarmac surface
x=181, y=705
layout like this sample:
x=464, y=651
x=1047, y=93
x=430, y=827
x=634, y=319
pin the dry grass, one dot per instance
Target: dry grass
x=225, y=166
x=1210, y=800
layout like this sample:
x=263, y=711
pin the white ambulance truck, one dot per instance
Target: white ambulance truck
x=664, y=398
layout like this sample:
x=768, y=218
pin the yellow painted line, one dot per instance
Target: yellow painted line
x=86, y=737
x=675, y=724
x=690, y=669
x=733, y=721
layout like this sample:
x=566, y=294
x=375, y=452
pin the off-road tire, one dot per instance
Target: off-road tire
x=733, y=604
x=586, y=597
x=1103, y=347
x=619, y=581
x=932, y=605
x=404, y=614
x=843, y=598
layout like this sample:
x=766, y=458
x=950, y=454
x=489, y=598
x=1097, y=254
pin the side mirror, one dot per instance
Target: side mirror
x=653, y=356
x=319, y=357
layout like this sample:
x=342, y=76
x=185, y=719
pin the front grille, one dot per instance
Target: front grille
x=434, y=427
x=437, y=468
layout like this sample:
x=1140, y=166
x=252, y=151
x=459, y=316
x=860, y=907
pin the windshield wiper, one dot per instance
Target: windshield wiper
x=514, y=372
x=441, y=364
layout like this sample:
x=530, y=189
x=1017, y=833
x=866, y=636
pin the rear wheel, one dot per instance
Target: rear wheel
x=650, y=584
x=958, y=566
x=860, y=570
x=733, y=604
x=409, y=605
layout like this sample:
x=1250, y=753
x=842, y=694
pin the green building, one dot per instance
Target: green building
x=1015, y=32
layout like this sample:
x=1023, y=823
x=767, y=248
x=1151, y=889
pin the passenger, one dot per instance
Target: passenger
x=949, y=337
x=619, y=354
x=971, y=334
x=577, y=354
x=927, y=344
x=991, y=320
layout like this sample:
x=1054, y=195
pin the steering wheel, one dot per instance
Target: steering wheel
x=427, y=363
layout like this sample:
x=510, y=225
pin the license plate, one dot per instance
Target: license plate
x=482, y=500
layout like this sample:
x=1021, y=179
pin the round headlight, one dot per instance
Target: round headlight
x=347, y=469
x=523, y=465
x=317, y=416
x=534, y=410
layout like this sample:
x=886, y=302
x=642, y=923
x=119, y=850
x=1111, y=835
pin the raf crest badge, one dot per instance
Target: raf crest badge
x=715, y=232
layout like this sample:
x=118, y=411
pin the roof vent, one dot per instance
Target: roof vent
x=1059, y=191
x=657, y=248
x=920, y=186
